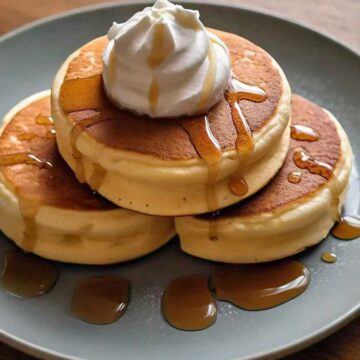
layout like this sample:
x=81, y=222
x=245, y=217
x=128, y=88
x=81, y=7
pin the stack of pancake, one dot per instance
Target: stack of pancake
x=260, y=176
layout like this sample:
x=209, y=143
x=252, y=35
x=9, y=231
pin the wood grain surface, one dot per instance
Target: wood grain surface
x=337, y=18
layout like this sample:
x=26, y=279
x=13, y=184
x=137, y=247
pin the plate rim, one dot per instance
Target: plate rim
x=299, y=344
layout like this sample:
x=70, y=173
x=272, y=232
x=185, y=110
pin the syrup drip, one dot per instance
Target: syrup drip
x=27, y=275
x=295, y=177
x=347, y=228
x=188, y=303
x=74, y=134
x=260, y=286
x=23, y=158
x=100, y=300
x=157, y=55
x=44, y=120
x=97, y=177
x=304, y=133
x=328, y=257
x=304, y=161
x=244, y=142
x=29, y=209
x=26, y=136
x=209, y=149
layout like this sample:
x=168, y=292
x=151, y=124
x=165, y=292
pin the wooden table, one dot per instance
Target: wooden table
x=337, y=18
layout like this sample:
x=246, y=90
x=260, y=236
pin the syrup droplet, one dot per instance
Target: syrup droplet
x=26, y=275
x=304, y=133
x=294, y=177
x=44, y=120
x=100, y=300
x=304, y=161
x=328, y=257
x=238, y=186
x=347, y=228
x=260, y=286
x=51, y=134
x=188, y=303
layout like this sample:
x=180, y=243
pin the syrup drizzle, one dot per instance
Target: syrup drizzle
x=188, y=304
x=27, y=275
x=295, y=177
x=244, y=142
x=97, y=177
x=209, y=149
x=157, y=55
x=76, y=131
x=260, y=286
x=328, y=257
x=304, y=133
x=23, y=158
x=348, y=228
x=304, y=161
x=101, y=299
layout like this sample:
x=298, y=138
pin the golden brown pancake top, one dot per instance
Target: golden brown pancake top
x=165, y=138
x=55, y=186
x=280, y=191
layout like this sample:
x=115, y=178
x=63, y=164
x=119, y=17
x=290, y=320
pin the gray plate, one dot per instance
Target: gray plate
x=318, y=68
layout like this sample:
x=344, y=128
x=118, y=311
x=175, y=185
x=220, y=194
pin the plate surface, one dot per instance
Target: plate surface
x=318, y=68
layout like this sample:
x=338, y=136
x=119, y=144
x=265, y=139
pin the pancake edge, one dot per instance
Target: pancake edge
x=81, y=236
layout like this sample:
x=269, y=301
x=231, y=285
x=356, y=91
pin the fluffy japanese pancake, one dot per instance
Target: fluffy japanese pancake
x=44, y=209
x=295, y=210
x=161, y=166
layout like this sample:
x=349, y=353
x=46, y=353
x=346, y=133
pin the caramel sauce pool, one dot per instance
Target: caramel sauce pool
x=27, y=276
x=304, y=133
x=188, y=304
x=347, y=228
x=260, y=286
x=100, y=299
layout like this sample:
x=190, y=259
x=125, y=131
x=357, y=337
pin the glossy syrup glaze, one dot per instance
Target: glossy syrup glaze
x=188, y=304
x=260, y=286
x=347, y=228
x=27, y=276
x=244, y=142
x=100, y=299
x=304, y=133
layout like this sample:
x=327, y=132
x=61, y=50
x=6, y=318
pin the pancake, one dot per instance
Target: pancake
x=45, y=210
x=173, y=166
x=295, y=210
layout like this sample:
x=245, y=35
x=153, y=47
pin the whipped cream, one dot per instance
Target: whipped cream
x=162, y=62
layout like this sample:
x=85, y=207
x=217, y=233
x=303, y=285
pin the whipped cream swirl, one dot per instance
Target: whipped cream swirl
x=162, y=62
